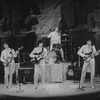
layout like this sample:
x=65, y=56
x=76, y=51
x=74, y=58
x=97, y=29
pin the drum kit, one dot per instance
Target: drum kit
x=51, y=57
x=54, y=55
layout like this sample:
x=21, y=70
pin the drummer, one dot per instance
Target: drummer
x=55, y=41
x=55, y=37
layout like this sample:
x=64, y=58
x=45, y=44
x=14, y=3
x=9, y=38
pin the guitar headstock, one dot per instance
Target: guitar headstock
x=22, y=47
x=98, y=51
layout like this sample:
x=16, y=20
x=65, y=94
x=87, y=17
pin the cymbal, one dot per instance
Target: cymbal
x=64, y=40
x=64, y=35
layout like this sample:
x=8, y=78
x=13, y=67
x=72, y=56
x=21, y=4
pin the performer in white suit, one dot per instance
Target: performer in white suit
x=55, y=37
x=7, y=57
x=39, y=63
x=88, y=52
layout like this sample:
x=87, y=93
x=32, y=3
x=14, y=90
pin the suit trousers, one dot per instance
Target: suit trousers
x=8, y=71
x=91, y=66
x=39, y=69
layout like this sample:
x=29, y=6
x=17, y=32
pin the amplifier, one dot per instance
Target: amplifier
x=25, y=75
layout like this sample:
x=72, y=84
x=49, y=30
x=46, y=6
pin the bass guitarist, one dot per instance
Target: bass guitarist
x=88, y=52
x=38, y=58
x=7, y=57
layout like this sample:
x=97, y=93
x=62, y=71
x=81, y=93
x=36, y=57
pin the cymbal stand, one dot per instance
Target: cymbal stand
x=71, y=47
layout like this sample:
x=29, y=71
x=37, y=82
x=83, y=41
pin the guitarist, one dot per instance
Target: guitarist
x=88, y=52
x=7, y=57
x=39, y=53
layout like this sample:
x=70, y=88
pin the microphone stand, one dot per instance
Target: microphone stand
x=20, y=90
x=79, y=88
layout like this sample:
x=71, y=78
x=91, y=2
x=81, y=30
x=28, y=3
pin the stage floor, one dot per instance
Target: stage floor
x=65, y=89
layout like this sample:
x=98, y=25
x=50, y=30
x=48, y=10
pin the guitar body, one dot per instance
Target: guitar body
x=36, y=59
x=10, y=57
x=90, y=56
x=8, y=60
x=87, y=59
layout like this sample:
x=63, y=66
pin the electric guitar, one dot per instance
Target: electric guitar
x=37, y=57
x=10, y=57
x=89, y=56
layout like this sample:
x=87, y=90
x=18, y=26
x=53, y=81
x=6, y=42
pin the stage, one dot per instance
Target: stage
x=60, y=90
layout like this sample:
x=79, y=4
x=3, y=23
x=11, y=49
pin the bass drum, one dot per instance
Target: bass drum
x=51, y=57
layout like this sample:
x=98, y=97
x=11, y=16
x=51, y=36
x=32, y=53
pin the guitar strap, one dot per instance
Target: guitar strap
x=42, y=50
x=92, y=48
x=11, y=52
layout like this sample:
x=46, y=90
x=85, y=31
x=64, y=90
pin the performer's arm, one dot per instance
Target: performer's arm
x=32, y=53
x=95, y=51
x=49, y=35
x=80, y=52
x=2, y=57
x=14, y=53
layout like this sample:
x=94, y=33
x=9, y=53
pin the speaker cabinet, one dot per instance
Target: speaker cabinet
x=25, y=75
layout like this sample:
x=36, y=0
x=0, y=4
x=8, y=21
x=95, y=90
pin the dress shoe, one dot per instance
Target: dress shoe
x=92, y=87
x=43, y=86
x=34, y=87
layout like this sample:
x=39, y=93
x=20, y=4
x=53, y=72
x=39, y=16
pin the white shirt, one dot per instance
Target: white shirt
x=38, y=50
x=55, y=37
x=86, y=49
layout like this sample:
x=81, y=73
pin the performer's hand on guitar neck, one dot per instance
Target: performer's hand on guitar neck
x=97, y=53
x=17, y=52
